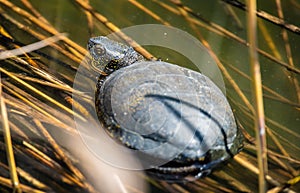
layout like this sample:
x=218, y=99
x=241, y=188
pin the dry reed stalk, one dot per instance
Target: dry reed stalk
x=78, y=106
x=268, y=39
x=271, y=135
x=42, y=25
x=283, y=64
x=234, y=16
x=64, y=157
x=40, y=37
x=168, y=187
x=203, y=22
x=179, y=188
x=258, y=98
x=62, y=87
x=200, y=23
x=39, y=109
x=232, y=181
x=284, y=187
x=35, y=182
x=25, y=175
x=245, y=111
x=286, y=166
x=274, y=138
x=9, y=146
x=149, y=12
x=42, y=157
x=277, y=159
x=220, y=30
x=295, y=105
x=242, y=161
x=42, y=94
x=90, y=22
x=16, y=129
x=215, y=58
x=204, y=187
x=288, y=51
x=114, y=28
x=7, y=183
x=273, y=156
x=58, y=150
x=295, y=3
x=208, y=47
x=29, y=48
x=275, y=95
x=266, y=16
x=34, y=11
x=209, y=182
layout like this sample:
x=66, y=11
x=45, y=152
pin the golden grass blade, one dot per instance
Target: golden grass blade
x=35, y=182
x=234, y=16
x=295, y=3
x=216, y=59
x=179, y=188
x=266, y=16
x=6, y=182
x=234, y=37
x=114, y=28
x=53, y=119
x=274, y=136
x=276, y=96
x=47, y=161
x=39, y=36
x=62, y=87
x=288, y=50
x=149, y=12
x=258, y=97
x=9, y=146
x=34, y=11
x=284, y=187
x=4, y=32
x=25, y=175
x=268, y=39
x=63, y=156
x=41, y=94
x=245, y=111
x=90, y=22
x=42, y=25
x=239, y=158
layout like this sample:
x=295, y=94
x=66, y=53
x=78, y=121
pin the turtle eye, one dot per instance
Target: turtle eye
x=99, y=50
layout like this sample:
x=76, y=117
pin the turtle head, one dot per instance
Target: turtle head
x=108, y=55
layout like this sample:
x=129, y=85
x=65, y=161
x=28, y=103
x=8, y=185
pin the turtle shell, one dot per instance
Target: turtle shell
x=167, y=111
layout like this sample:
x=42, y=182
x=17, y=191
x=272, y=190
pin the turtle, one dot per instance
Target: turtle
x=165, y=111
